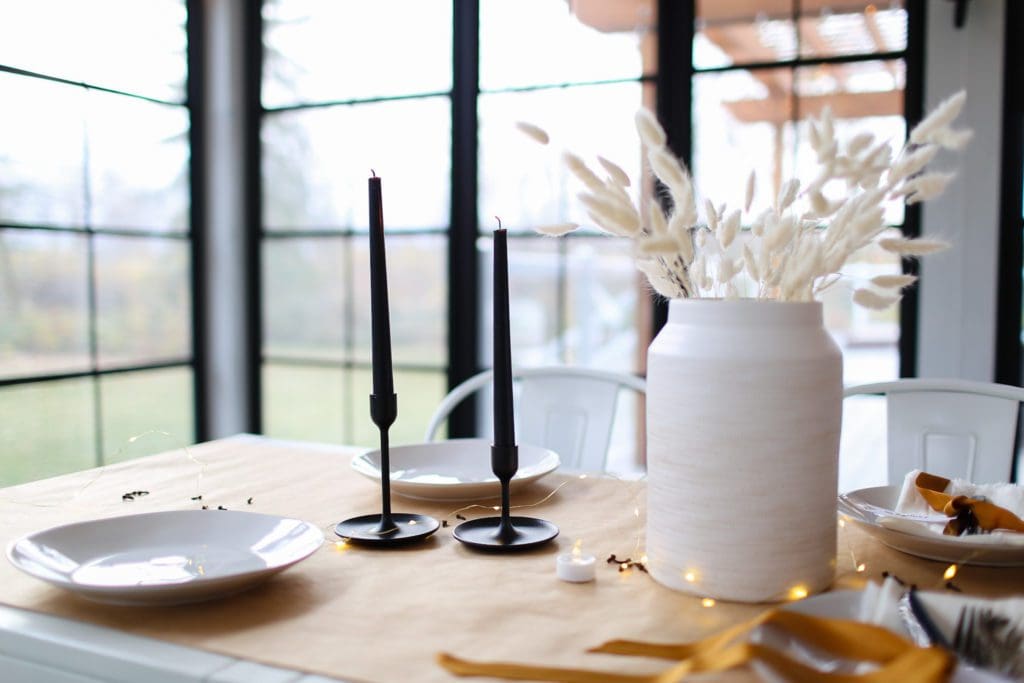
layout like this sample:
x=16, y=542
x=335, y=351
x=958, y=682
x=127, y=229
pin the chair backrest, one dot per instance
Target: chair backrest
x=569, y=410
x=950, y=427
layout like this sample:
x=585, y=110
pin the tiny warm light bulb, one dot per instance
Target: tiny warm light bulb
x=576, y=547
x=341, y=545
x=842, y=523
x=583, y=476
x=861, y=567
x=690, y=577
x=798, y=592
x=708, y=602
x=643, y=558
x=412, y=522
x=495, y=508
x=623, y=567
x=636, y=512
x=950, y=572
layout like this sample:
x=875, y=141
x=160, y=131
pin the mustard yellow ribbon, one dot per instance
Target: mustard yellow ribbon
x=898, y=660
x=990, y=517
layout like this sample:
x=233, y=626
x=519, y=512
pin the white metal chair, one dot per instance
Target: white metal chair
x=950, y=427
x=567, y=409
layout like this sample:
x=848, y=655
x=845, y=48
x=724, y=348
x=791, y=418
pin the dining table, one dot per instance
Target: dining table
x=362, y=614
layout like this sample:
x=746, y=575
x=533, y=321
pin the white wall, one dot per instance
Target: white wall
x=957, y=324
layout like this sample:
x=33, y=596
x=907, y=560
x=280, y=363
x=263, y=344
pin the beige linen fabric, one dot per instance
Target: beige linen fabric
x=381, y=615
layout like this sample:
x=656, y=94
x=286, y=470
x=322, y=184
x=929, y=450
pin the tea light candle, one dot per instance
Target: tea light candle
x=575, y=567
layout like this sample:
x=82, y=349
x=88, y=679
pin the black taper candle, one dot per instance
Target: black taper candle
x=383, y=405
x=504, y=420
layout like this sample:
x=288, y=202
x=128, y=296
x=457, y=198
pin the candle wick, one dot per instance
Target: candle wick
x=373, y=173
x=499, y=222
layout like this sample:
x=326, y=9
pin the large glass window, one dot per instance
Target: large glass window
x=95, y=308
x=349, y=90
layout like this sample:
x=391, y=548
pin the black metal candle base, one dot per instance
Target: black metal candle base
x=487, y=533
x=370, y=529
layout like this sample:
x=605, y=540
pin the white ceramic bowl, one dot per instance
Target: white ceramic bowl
x=457, y=469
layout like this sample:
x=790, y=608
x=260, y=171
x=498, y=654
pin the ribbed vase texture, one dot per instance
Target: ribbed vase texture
x=744, y=405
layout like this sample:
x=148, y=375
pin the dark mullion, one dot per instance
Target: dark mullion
x=253, y=209
x=675, y=93
x=646, y=78
x=194, y=26
x=352, y=102
x=809, y=61
x=82, y=84
x=463, y=275
x=81, y=374
x=81, y=230
x=913, y=110
x=1008, y=293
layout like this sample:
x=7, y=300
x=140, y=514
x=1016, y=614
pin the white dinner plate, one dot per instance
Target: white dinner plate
x=869, y=507
x=457, y=469
x=165, y=558
x=843, y=604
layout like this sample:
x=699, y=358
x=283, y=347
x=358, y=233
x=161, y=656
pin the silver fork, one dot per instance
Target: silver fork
x=987, y=640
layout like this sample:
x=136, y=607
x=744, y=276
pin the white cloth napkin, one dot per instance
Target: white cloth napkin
x=920, y=519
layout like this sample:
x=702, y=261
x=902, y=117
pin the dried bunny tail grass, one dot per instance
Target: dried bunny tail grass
x=939, y=119
x=787, y=194
x=728, y=229
x=924, y=187
x=859, y=143
x=580, y=169
x=535, y=133
x=657, y=246
x=680, y=231
x=656, y=218
x=611, y=216
x=910, y=163
x=912, y=247
x=750, y=263
x=893, y=281
x=668, y=170
x=657, y=277
x=711, y=214
x=748, y=195
x=615, y=172
x=557, y=229
x=822, y=206
x=953, y=139
x=873, y=300
x=651, y=132
x=727, y=268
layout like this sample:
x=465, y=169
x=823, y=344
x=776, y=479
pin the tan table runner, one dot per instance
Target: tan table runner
x=377, y=615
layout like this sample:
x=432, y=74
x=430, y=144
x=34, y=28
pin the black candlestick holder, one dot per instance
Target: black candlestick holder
x=505, y=533
x=387, y=528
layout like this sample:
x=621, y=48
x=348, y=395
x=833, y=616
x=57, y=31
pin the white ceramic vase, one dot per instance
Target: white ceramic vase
x=744, y=404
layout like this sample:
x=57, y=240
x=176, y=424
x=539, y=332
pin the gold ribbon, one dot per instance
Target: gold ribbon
x=989, y=516
x=898, y=660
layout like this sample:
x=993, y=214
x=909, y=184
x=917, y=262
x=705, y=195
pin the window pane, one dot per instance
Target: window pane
x=603, y=311
x=527, y=184
x=316, y=163
x=536, y=42
x=417, y=297
x=44, y=325
x=729, y=33
x=142, y=297
x=146, y=412
x=418, y=396
x=41, y=178
x=47, y=429
x=850, y=27
x=536, y=300
x=741, y=122
x=303, y=403
x=329, y=51
x=88, y=41
x=138, y=163
x=305, y=290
